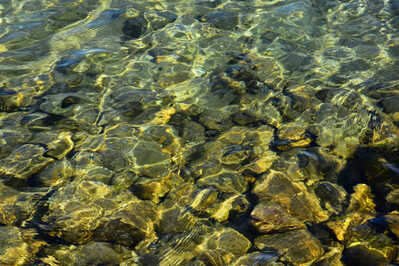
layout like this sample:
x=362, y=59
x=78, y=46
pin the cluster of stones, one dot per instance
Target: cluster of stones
x=197, y=157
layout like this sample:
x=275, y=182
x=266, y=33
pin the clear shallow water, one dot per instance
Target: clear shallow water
x=199, y=132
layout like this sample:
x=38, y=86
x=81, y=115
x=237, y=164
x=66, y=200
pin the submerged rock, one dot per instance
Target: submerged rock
x=160, y=144
x=225, y=245
x=294, y=197
x=292, y=135
x=392, y=219
x=390, y=104
x=86, y=210
x=18, y=246
x=272, y=217
x=134, y=28
x=12, y=132
x=361, y=208
x=375, y=167
x=129, y=224
x=221, y=20
x=331, y=257
x=361, y=255
x=58, y=143
x=297, y=247
x=92, y=253
x=332, y=196
x=55, y=173
x=150, y=189
x=258, y=259
x=120, y=153
x=149, y=159
x=18, y=207
x=228, y=182
x=158, y=19
x=24, y=161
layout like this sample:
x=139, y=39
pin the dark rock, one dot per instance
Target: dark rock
x=134, y=28
x=174, y=219
x=375, y=167
x=215, y=120
x=235, y=154
x=193, y=132
x=390, y=104
x=323, y=94
x=393, y=222
x=367, y=51
x=150, y=160
x=331, y=196
x=356, y=65
x=361, y=255
x=149, y=153
x=243, y=118
x=294, y=62
x=258, y=259
x=221, y=19
x=97, y=253
x=338, y=79
x=394, y=49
